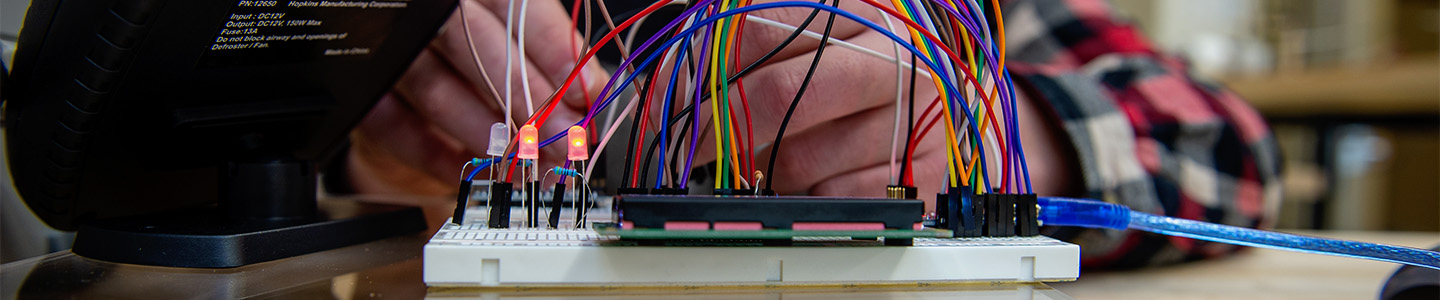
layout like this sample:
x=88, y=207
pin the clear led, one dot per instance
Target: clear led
x=499, y=138
x=529, y=143
x=579, y=149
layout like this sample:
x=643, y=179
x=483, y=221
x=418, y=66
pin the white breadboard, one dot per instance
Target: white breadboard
x=472, y=255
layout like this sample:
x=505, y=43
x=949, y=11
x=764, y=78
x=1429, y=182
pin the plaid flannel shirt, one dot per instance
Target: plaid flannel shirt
x=1148, y=134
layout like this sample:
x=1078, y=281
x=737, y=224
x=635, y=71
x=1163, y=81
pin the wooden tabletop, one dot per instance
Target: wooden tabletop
x=391, y=268
x=1404, y=87
x=1255, y=274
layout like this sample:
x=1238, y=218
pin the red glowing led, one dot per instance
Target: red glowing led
x=579, y=149
x=529, y=143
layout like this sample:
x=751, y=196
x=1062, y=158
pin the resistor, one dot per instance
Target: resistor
x=565, y=172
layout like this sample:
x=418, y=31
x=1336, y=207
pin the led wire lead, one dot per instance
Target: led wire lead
x=462, y=170
x=525, y=194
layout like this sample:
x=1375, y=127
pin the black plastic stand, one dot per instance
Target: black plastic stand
x=267, y=211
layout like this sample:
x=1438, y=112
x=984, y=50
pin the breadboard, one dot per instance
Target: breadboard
x=473, y=255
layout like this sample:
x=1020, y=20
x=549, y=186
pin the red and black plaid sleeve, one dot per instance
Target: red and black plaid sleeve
x=1148, y=134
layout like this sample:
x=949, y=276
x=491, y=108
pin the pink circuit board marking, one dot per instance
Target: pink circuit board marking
x=837, y=226
x=738, y=226
x=687, y=225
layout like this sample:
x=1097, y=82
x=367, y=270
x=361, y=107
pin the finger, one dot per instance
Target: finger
x=439, y=96
x=394, y=136
x=845, y=82
x=840, y=146
x=549, y=32
x=487, y=40
x=759, y=39
x=868, y=182
x=489, y=43
x=838, y=89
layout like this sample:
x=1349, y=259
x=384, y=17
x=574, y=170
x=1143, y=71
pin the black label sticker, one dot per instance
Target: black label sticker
x=261, y=32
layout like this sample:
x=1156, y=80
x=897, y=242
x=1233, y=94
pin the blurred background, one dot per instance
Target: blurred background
x=1351, y=88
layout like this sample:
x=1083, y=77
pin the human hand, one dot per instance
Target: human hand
x=439, y=114
x=838, y=142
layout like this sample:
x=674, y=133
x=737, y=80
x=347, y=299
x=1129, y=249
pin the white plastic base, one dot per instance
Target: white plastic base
x=471, y=255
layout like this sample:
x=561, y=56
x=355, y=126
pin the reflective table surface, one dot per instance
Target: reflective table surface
x=391, y=268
